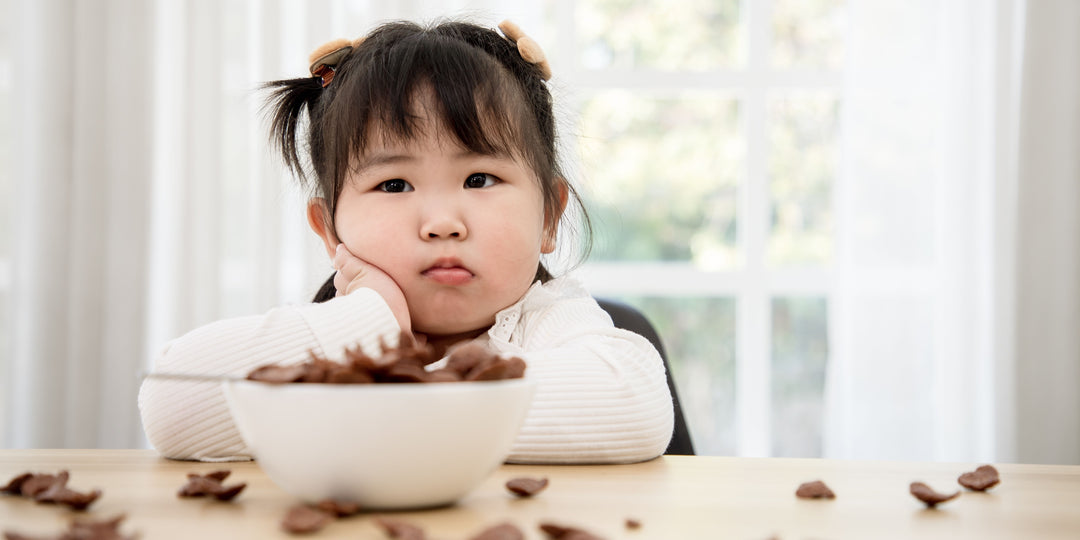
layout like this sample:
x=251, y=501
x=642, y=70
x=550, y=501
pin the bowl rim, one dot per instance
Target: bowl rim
x=382, y=387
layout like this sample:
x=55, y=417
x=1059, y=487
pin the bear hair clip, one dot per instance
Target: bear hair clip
x=528, y=48
x=325, y=59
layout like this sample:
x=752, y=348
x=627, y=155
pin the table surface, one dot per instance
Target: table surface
x=673, y=497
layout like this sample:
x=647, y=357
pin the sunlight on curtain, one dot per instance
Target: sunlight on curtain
x=78, y=250
x=913, y=359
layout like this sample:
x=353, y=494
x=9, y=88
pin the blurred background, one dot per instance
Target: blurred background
x=854, y=222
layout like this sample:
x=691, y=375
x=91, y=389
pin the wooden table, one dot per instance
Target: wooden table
x=673, y=497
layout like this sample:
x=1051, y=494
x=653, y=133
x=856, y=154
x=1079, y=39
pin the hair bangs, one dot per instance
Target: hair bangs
x=426, y=73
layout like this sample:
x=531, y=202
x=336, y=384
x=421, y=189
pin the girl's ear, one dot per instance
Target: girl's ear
x=552, y=218
x=318, y=217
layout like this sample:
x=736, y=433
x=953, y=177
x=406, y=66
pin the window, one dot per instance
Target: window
x=707, y=139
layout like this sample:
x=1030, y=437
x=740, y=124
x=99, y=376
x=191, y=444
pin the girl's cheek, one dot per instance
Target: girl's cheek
x=350, y=233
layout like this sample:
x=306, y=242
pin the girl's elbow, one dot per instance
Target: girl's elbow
x=655, y=437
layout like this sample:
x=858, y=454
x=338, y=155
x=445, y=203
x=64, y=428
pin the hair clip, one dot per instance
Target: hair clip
x=324, y=60
x=528, y=48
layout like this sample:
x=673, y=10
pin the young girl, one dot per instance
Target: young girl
x=436, y=191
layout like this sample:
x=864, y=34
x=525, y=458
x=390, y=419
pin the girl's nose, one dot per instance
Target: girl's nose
x=443, y=226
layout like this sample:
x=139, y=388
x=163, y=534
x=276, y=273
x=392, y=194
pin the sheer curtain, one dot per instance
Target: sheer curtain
x=1045, y=370
x=957, y=233
x=79, y=166
x=912, y=365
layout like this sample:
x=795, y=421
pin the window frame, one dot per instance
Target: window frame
x=755, y=284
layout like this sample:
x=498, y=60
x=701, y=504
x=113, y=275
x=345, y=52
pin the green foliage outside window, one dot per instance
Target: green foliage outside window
x=662, y=176
x=666, y=173
x=688, y=35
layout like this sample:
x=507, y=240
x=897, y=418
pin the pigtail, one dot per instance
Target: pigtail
x=287, y=102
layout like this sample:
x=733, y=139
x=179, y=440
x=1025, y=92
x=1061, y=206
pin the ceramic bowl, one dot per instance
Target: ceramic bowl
x=384, y=446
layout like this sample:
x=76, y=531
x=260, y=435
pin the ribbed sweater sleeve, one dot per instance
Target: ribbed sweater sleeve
x=191, y=420
x=602, y=395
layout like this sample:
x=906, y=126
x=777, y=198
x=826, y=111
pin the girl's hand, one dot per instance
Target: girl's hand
x=354, y=273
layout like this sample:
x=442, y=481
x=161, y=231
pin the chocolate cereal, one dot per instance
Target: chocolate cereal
x=560, y=532
x=338, y=508
x=407, y=363
x=304, y=519
x=814, y=490
x=309, y=518
x=981, y=479
x=401, y=530
x=14, y=486
x=502, y=531
x=29, y=485
x=50, y=489
x=927, y=495
x=211, y=485
x=108, y=529
x=526, y=487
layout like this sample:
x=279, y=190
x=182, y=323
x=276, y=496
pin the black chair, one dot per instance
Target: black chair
x=629, y=318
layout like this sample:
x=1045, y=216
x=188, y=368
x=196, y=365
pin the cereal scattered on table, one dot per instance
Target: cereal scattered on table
x=526, y=487
x=560, y=532
x=814, y=490
x=502, y=531
x=981, y=479
x=50, y=489
x=338, y=508
x=108, y=529
x=927, y=494
x=202, y=485
x=304, y=519
x=309, y=518
x=401, y=530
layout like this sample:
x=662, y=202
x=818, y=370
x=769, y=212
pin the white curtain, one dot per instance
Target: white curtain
x=80, y=171
x=960, y=163
x=1044, y=370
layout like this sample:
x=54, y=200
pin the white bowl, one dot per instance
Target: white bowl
x=384, y=446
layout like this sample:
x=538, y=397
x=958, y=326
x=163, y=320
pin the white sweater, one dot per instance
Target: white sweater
x=601, y=395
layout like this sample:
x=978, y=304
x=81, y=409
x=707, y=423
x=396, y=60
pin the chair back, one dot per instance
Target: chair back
x=629, y=318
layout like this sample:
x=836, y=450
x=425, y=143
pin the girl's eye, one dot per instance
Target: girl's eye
x=396, y=185
x=480, y=180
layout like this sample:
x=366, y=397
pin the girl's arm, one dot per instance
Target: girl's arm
x=191, y=420
x=602, y=395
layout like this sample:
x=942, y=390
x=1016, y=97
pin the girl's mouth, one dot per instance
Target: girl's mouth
x=448, y=273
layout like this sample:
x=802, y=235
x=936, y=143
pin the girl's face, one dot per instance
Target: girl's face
x=460, y=233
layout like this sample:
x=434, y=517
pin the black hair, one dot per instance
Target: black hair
x=487, y=95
